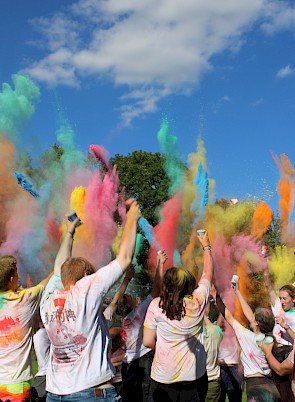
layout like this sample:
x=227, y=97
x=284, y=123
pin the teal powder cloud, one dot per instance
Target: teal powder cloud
x=17, y=105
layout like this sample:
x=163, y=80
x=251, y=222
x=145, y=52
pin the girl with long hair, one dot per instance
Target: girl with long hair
x=174, y=329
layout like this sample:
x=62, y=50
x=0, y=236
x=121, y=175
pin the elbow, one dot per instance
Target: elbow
x=149, y=344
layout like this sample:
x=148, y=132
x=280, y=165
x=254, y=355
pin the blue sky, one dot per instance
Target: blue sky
x=222, y=69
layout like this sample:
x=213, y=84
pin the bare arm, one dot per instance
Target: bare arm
x=223, y=309
x=127, y=245
x=120, y=292
x=281, y=369
x=65, y=249
x=149, y=338
x=161, y=259
x=245, y=306
x=208, y=260
x=46, y=280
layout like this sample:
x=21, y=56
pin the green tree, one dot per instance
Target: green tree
x=144, y=178
x=272, y=237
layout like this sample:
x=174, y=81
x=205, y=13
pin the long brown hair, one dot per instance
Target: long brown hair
x=177, y=283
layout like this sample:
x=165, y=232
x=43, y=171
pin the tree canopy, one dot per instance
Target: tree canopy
x=144, y=178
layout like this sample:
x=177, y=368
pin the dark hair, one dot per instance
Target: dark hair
x=8, y=268
x=177, y=283
x=123, y=308
x=290, y=289
x=265, y=319
x=74, y=269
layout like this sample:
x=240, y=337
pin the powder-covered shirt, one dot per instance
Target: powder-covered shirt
x=77, y=329
x=42, y=349
x=16, y=312
x=212, y=339
x=179, y=353
x=281, y=335
x=132, y=326
x=252, y=356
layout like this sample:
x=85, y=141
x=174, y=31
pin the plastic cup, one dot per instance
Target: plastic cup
x=201, y=232
x=235, y=279
x=72, y=216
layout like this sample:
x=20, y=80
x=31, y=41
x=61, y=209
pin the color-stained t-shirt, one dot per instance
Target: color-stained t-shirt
x=212, y=339
x=42, y=349
x=281, y=335
x=179, y=354
x=252, y=356
x=132, y=326
x=77, y=329
x=16, y=312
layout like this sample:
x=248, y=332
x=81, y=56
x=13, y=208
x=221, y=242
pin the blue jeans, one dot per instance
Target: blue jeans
x=89, y=395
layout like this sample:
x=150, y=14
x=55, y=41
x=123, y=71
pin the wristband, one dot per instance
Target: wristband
x=286, y=326
x=207, y=248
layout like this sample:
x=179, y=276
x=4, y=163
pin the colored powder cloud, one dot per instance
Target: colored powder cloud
x=17, y=105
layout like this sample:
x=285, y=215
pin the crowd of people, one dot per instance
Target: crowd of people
x=166, y=348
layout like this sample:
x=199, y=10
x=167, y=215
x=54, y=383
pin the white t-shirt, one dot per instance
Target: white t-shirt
x=252, y=356
x=78, y=332
x=281, y=335
x=42, y=350
x=179, y=354
x=16, y=312
x=132, y=325
x=229, y=350
x=212, y=339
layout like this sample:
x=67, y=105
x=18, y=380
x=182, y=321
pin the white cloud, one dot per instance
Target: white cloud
x=285, y=71
x=155, y=47
x=280, y=17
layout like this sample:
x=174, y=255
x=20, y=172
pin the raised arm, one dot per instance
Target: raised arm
x=208, y=260
x=65, y=249
x=269, y=287
x=161, y=259
x=127, y=245
x=122, y=289
x=245, y=306
x=222, y=308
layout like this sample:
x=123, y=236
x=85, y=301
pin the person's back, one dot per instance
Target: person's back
x=79, y=365
x=174, y=328
x=212, y=339
x=78, y=331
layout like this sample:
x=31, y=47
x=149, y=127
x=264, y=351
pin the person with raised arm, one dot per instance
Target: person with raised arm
x=257, y=373
x=17, y=308
x=136, y=367
x=79, y=365
x=174, y=329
